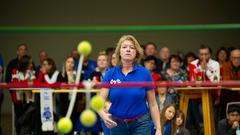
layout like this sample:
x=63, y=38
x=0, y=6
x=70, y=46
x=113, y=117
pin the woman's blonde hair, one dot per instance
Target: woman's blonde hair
x=102, y=53
x=139, y=50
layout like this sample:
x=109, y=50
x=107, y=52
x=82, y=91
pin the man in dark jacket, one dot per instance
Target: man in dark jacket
x=229, y=125
x=22, y=50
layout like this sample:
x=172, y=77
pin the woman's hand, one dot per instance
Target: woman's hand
x=108, y=121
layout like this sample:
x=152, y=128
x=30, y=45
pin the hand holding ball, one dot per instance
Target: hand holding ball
x=84, y=48
x=64, y=125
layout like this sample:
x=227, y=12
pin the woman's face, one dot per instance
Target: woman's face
x=102, y=61
x=69, y=64
x=127, y=51
x=162, y=90
x=150, y=65
x=46, y=66
x=222, y=55
x=174, y=64
x=179, y=121
x=113, y=60
x=170, y=113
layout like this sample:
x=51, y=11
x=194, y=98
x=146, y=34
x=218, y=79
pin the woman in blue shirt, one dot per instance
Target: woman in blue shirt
x=129, y=112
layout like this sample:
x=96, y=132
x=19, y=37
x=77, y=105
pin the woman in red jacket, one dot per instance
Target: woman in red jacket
x=23, y=101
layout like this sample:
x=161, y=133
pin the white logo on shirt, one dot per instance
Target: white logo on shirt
x=115, y=81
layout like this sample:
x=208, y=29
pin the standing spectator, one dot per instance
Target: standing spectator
x=189, y=57
x=88, y=67
x=22, y=50
x=48, y=75
x=102, y=65
x=76, y=57
x=202, y=69
x=231, y=71
x=24, y=108
x=164, y=55
x=150, y=49
x=176, y=74
x=42, y=56
x=222, y=56
x=150, y=64
x=97, y=76
x=129, y=113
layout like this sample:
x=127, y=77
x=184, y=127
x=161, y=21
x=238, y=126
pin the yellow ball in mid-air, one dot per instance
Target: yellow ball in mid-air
x=88, y=118
x=84, y=48
x=97, y=103
x=64, y=125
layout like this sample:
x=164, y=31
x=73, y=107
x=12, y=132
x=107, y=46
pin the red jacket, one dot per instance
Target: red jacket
x=19, y=77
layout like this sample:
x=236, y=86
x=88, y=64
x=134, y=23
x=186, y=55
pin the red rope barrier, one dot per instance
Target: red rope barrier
x=124, y=84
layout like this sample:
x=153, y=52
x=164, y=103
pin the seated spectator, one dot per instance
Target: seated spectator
x=176, y=74
x=163, y=97
x=229, y=125
x=168, y=115
x=167, y=118
x=150, y=64
x=230, y=71
x=181, y=130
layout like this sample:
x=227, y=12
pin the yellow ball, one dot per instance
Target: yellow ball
x=88, y=118
x=64, y=125
x=84, y=48
x=97, y=103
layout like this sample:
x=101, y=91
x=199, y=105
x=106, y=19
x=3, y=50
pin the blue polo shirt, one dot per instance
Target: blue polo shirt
x=128, y=102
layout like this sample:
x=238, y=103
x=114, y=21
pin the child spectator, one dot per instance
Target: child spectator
x=181, y=130
x=163, y=97
x=168, y=120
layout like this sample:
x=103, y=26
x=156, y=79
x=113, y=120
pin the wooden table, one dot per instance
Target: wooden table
x=197, y=93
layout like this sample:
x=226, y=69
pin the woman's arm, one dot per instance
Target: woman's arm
x=154, y=111
x=105, y=115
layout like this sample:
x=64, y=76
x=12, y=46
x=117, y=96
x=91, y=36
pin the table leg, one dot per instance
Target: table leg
x=208, y=116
